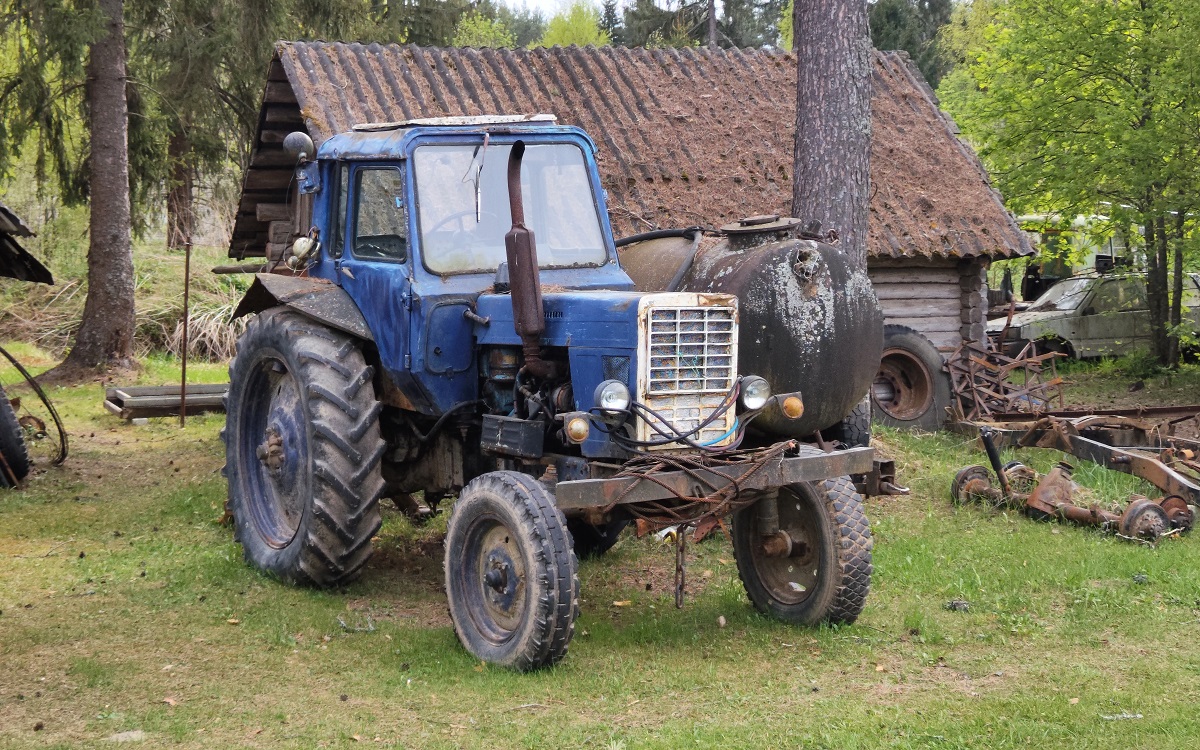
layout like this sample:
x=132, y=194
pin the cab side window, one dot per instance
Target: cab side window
x=338, y=243
x=1120, y=295
x=380, y=215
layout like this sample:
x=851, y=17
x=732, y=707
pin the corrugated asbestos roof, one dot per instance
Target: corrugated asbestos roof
x=686, y=136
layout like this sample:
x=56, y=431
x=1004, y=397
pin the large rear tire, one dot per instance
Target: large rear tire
x=12, y=445
x=912, y=388
x=827, y=575
x=511, y=575
x=302, y=450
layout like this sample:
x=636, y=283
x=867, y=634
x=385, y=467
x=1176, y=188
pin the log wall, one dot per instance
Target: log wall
x=943, y=299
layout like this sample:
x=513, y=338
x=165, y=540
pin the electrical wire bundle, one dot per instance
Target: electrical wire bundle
x=670, y=435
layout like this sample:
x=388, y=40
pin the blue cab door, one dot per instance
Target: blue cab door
x=373, y=263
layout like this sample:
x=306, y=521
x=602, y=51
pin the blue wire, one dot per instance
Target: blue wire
x=727, y=434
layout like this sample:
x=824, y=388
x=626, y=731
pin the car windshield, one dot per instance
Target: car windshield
x=463, y=212
x=1065, y=295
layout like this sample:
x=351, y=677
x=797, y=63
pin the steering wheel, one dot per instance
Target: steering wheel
x=461, y=215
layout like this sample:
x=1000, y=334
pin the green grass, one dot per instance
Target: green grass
x=125, y=606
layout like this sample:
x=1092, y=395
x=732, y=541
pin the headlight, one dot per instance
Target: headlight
x=755, y=392
x=612, y=396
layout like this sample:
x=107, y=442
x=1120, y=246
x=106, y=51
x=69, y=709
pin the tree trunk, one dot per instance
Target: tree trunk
x=1176, y=315
x=712, y=23
x=105, y=336
x=180, y=196
x=831, y=181
x=181, y=207
x=1156, y=287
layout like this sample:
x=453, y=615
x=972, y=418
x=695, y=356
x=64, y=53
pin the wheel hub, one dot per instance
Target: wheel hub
x=270, y=451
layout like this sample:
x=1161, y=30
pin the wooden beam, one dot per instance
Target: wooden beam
x=279, y=92
x=271, y=157
x=277, y=250
x=273, y=212
x=287, y=113
x=267, y=179
x=279, y=232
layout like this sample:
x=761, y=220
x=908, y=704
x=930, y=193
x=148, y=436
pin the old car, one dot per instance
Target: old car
x=1092, y=316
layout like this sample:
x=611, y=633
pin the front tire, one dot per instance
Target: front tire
x=302, y=450
x=827, y=576
x=511, y=575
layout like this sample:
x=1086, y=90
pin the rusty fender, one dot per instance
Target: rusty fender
x=321, y=300
x=595, y=493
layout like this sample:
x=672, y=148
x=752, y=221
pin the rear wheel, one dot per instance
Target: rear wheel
x=911, y=389
x=302, y=450
x=12, y=446
x=822, y=571
x=511, y=576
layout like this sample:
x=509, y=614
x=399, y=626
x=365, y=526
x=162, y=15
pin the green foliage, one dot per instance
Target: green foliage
x=526, y=24
x=610, y=22
x=1084, y=107
x=578, y=23
x=477, y=30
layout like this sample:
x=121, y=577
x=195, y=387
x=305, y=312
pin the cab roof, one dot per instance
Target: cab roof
x=389, y=141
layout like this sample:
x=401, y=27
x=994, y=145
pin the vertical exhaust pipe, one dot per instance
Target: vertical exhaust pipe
x=528, y=317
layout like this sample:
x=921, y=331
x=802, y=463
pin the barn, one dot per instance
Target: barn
x=687, y=136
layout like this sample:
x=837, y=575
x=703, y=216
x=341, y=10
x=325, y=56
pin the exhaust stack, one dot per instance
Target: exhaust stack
x=528, y=317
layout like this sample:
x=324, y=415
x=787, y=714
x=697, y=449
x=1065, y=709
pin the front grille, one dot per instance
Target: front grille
x=688, y=364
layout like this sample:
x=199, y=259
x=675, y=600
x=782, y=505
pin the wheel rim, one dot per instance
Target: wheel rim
x=274, y=452
x=793, y=579
x=494, y=580
x=903, y=387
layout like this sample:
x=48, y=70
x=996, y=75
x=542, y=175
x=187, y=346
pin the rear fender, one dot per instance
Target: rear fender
x=321, y=300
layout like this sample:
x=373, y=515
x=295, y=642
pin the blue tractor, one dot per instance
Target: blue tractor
x=457, y=323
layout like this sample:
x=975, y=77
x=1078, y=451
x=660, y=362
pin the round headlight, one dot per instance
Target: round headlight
x=612, y=396
x=755, y=392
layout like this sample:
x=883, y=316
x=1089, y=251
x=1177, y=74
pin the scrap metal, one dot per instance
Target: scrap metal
x=981, y=379
x=33, y=426
x=1119, y=443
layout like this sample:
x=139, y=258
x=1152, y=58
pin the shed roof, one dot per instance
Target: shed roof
x=686, y=136
x=15, y=261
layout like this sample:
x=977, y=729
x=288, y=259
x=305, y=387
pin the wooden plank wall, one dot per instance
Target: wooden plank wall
x=942, y=299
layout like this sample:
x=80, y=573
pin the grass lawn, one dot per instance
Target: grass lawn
x=126, y=612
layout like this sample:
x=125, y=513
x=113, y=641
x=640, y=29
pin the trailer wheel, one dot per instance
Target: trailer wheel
x=302, y=450
x=12, y=446
x=911, y=389
x=591, y=541
x=855, y=430
x=826, y=574
x=511, y=575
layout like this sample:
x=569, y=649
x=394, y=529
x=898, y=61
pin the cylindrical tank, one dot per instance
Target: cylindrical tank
x=809, y=319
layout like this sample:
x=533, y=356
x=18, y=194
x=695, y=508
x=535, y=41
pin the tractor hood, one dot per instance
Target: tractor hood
x=599, y=319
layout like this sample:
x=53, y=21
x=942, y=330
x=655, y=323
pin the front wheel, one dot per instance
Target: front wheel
x=302, y=450
x=819, y=570
x=511, y=576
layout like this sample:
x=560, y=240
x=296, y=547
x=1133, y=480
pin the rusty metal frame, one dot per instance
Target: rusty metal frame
x=597, y=493
x=1116, y=443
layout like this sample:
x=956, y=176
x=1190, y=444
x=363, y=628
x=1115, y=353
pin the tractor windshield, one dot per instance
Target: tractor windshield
x=463, y=213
